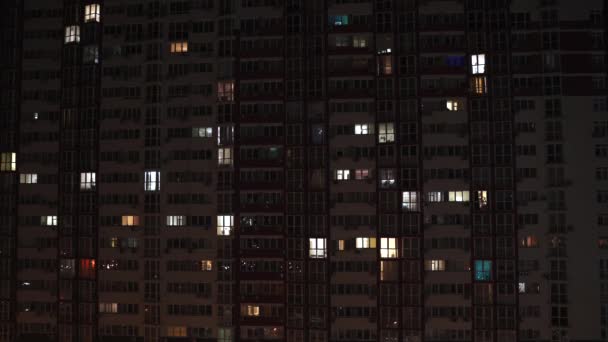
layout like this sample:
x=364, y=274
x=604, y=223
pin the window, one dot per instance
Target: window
x=388, y=247
x=479, y=84
x=338, y=20
x=72, y=34
x=92, y=13
x=342, y=174
x=341, y=245
x=482, y=198
x=202, y=132
x=529, y=241
x=451, y=105
x=458, y=196
x=434, y=265
x=177, y=331
x=478, y=64
x=387, y=178
x=386, y=132
x=225, y=223
x=90, y=54
x=361, y=174
x=318, y=248
x=206, y=265
x=179, y=47
x=176, y=220
x=224, y=156
x=87, y=180
x=225, y=91
x=108, y=307
x=152, y=181
x=363, y=129
x=130, y=220
x=48, y=220
x=359, y=42
x=435, y=196
x=253, y=310
x=410, y=200
x=483, y=270
x=28, y=178
x=8, y=161
x=365, y=242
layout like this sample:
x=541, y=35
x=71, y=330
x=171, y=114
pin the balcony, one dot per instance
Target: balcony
x=262, y=253
x=351, y=93
x=260, y=52
x=262, y=118
x=350, y=28
x=262, y=95
x=261, y=276
x=261, y=230
x=262, y=207
x=261, y=185
x=253, y=298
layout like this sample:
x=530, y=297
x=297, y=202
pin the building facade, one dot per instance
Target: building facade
x=303, y=170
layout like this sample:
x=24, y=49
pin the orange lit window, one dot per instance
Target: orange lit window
x=479, y=84
x=179, y=47
x=87, y=268
x=529, y=241
x=130, y=220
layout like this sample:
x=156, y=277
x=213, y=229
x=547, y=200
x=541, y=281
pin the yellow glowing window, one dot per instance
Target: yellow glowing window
x=253, y=310
x=341, y=245
x=179, y=47
x=130, y=220
x=92, y=13
x=206, y=265
x=479, y=84
x=388, y=248
x=8, y=161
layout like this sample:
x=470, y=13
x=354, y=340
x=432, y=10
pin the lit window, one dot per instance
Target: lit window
x=360, y=42
x=435, y=196
x=386, y=132
x=385, y=65
x=529, y=241
x=365, y=242
x=434, y=265
x=410, y=201
x=479, y=84
x=72, y=34
x=342, y=174
x=28, y=178
x=152, y=181
x=48, y=220
x=92, y=13
x=224, y=156
x=361, y=174
x=388, y=247
x=108, y=307
x=90, y=54
x=177, y=331
x=202, y=132
x=206, y=265
x=363, y=129
x=179, y=47
x=478, y=64
x=130, y=220
x=87, y=180
x=483, y=270
x=8, y=161
x=458, y=196
x=114, y=242
x=318, y=248
x=225, y=223
x=451, y=105
x=253, y=310
x=225, y=91
x=176, y=220
x=522, y=287
x=387, y=178
x=482, y=198
x=224, y=335
x=338, y=20
x=341, y=245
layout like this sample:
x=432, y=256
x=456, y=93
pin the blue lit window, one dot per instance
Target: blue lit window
x=338, y=20
x=483, y=270
x=455, y=61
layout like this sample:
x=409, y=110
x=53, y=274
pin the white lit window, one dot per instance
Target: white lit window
x=224, y=156
x=202, y=132
x=342, y=174
x=92, y=13
x=8, y=161
x=72, y=34
x=28, y=178
x=90, y=54
x=451, y=105
x=225, y=91
x=176, y=220
x=478, y=64
x=341, y=245
x=361, y=174
x=387, y=178
x=434, y=265
x=225, y=223
x=152, y=181
x=173, y=331
x=458, y=196
x=179, y=47
x=410, y=200
x=522, y=287
x=318, y=248
x=482, y=198
x=253, y=310
x=206, y=265
x=48, y=220
x=365, y=242
x=108, y=307
x=130, y=220
x=360, y=42
x=388, y=247
x=87, y=180
x=386, y=132
x=435, y=196
x=363, y=129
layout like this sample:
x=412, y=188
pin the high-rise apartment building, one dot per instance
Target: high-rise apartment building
x=303, y=170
